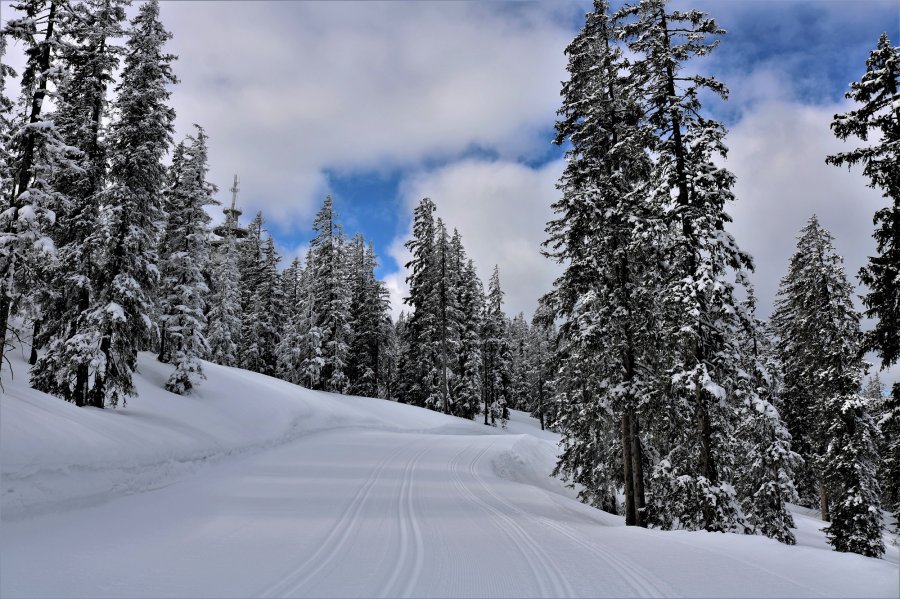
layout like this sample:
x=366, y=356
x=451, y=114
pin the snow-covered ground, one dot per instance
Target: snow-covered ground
x=255, y=487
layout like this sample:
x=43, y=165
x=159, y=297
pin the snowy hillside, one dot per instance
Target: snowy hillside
x=255, y=487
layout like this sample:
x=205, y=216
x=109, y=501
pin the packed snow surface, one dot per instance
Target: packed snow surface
x=256, y=487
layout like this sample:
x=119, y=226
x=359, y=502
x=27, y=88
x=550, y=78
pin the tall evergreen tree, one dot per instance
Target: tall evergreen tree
x=422, y=327
x=541, y=351
x=185, y=251
x=468, y=381
x=36, y=151
x=251, y=281
x=290, y=344
x=693, y=482
x=331, y=296
x=607, y=232
x=118, y=323
x=496, y=355
x=225, y=317
x=876, y=121
x=90, y=59
x=878, y=91
x=368, y=312
x=766, y=462
x=819, y=343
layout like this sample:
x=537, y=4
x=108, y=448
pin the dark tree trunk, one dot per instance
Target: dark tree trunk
x=823, y=502
x=35, y=343
x=637, y=470
x=5, y=302
x=630, y=518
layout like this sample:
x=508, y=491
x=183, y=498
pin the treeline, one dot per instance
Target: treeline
x=667, y=385
x=457, y=350
x=107, y=252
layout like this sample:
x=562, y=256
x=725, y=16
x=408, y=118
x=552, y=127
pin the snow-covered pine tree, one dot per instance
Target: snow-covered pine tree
x=539, y=364
x=819, y=344
x=35, y=153
x=878, y=91
x=418, y=361
x=876, y=121
x=886, y=412
x=692, y=483
x=447, y=319
x=90, y=58
x=765, y=467
x=608, y=234
x=225, y=317
x=331, y=297
x=368, y=312
x=289, y=352
x=518, y=351
x=496, y=355
x=468, y=379
x=268, y=303
x=250, y=268
x=185, y=250
x=6, y=107
x=313, y=360
x=388, y=357
x=119, y=319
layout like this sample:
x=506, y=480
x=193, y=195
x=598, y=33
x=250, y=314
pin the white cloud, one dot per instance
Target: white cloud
x=288, y=90
x=777, y=151
x=500, y=208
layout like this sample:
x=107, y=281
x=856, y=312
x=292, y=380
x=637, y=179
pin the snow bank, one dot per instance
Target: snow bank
x=160, y=437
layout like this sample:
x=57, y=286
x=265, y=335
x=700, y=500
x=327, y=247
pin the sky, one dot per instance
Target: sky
x=381, y=104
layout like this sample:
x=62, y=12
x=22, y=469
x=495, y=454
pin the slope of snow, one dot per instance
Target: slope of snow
x=255, y=487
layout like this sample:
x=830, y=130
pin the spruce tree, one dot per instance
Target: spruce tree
x=34, y=154
x=496, y=355
x=290, y=343
x=90, y=59
x=468, y=380
x=878, y=92
x=766, y=462
x=421, y=330
x=876, y=121
x=185, y=259
x=607, y=232
x=368, y=312
x=313, y=359
x=118, y=322
x=693, y=481
x=224, y=317
x=539, y=364
x=331, y=297
x=819, y=344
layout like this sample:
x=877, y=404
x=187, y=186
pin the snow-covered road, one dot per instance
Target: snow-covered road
x=370, y=499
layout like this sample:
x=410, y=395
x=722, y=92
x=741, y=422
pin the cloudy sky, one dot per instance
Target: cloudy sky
x=380, y=104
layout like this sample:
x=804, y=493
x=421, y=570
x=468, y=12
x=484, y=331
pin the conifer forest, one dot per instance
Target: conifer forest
x=672, y=402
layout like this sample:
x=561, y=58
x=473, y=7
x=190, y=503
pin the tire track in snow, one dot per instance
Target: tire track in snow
x=537, y=560
x=330, y=548
x=409, y=528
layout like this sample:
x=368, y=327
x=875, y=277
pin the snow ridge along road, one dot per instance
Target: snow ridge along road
x=317, y=495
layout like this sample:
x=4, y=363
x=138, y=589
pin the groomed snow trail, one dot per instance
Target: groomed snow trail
x=395, y=503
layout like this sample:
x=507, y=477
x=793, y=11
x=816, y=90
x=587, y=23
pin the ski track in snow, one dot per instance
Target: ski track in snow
x=410, y=534
x=534, y=555
x=342, y=496
x=292, y=584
